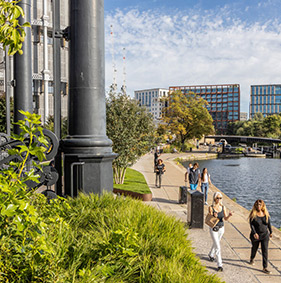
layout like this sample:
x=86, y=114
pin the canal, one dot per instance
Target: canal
x=248, y=179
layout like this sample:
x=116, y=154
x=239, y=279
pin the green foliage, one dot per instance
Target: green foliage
x=259, y=126
x=12, y=34
x=50, y=126
x=107, y=239
x=134, y=182
x=3, y=123
x=187, y=116
x=24, y=253
x=131, y=130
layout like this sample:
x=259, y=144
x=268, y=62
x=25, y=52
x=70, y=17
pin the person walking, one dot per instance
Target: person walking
x=156, y=156
x=187, y=171
x=205, y=182
x=218, y=210
x=260, y=226
x=159, y=170
x=194, y=176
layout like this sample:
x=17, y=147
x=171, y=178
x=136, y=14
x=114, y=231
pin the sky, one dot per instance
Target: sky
x=187, y=42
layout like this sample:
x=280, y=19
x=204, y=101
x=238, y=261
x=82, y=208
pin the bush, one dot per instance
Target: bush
x=107, y=239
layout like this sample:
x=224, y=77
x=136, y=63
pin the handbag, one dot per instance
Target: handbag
x=211, y=220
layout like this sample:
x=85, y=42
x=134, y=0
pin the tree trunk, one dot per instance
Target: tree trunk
x=119, y=174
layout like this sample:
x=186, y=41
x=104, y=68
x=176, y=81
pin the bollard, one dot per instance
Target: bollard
x=195, y=209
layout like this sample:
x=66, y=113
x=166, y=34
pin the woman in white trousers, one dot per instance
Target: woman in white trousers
x=218, y=210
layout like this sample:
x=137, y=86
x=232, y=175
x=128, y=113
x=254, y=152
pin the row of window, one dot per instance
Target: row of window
x=266, y=108
x=269, y=90
x=266, y=99
x=209, y=90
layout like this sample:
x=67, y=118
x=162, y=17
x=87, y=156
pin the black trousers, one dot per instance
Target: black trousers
x=264, y=249
x=158, y=179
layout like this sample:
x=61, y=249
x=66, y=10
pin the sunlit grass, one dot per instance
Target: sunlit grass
x=134, y=182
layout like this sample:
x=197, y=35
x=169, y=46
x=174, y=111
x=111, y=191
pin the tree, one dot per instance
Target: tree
x=50, y=126
x=12, y=34
x=186, y=116
x=3, y=123
x=131, y=130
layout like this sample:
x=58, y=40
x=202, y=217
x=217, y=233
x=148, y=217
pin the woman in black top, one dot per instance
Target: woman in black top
x=159, y=170
x=260, y=225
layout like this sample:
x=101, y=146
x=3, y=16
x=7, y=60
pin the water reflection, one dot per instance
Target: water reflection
x=248, y=179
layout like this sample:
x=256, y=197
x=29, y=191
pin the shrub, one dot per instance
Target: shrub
x=107, y=239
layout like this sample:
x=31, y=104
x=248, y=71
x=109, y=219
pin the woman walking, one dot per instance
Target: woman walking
x=218, y=210
x=205, y=182
x=159, y=170
x=260, y=225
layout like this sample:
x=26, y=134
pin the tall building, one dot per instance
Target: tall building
x=223, y=102
x=265, y=99
x=39, y=20
x=151, y=99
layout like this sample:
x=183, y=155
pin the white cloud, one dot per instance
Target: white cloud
x=165, y=50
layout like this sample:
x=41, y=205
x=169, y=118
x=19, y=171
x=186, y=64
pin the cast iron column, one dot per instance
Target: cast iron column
x=88, y=154
x=23, y=70
x=57, y=88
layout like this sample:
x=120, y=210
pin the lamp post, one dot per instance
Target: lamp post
x=87, y=150
x=23, y=71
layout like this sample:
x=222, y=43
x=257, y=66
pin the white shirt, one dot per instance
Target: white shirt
x=206, y=178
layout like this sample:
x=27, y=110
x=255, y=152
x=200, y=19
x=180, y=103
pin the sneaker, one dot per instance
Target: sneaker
x=265, y=270
x=252, y=262
x=206, y=203
x=220, y=269
x=211, y=258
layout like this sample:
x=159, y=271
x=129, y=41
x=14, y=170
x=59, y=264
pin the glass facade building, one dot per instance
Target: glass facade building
x=265, y=99
x=223, y=102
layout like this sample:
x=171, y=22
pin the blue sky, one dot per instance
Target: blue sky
x=188, y=42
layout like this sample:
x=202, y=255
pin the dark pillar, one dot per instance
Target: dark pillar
x=23, y=70
x=57, y=88
x=8, y=91
x=88, y=154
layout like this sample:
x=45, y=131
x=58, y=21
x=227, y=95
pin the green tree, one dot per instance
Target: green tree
x=50, y=126
x=186, y=116
x=131, y=130
x=272, y=126
x=3, y=123
x=12, y=34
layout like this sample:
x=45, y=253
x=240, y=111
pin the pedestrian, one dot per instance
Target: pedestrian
x=260, y=226
x=159, y=170
x=194, y=176
x=187, y=171
x=156, y=156
x=218, y=210
x=205, y=182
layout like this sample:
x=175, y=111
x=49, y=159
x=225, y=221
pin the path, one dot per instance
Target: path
x=235, y=243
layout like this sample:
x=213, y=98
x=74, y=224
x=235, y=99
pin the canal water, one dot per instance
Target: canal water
x=248, y=179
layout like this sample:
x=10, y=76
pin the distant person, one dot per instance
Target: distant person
x=205, y=182
x=187, y=171
x=159, y=170
x=156, y=156
x=260, y=226
x=218, y=210
x=194, y=176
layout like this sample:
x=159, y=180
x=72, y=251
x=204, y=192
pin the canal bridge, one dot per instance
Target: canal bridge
x=270, y=150
x=244, y=139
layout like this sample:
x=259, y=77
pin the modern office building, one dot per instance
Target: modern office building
x=265, y=99
x=151, y=99
x=223, y=102
x=42, y=19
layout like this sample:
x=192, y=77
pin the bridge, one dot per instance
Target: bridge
x=244, y=139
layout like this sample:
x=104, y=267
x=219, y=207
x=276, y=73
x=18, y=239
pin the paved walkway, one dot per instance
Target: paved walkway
x=235, y=243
